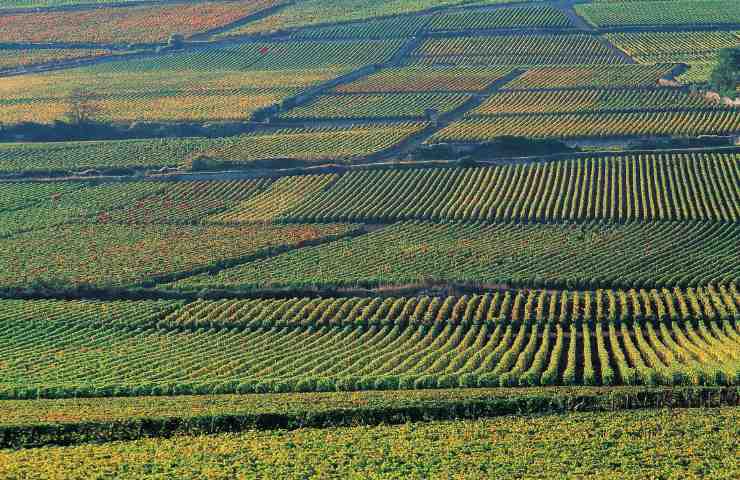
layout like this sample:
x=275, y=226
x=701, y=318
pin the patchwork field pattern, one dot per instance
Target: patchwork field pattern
x=288, y=216
x=228, y=83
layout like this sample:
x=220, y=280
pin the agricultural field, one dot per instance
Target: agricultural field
x=699, y=50
x=376, y=105
x=310, y=13
x=13, y=4
x=676, y=13
x=664, y=187
x=600, y=125
x=509, y=18
x=572, y=444
x=369, y=239
x=79, y=156
x=60, y=203
x=536, y=49
x=537, y=255
x=656, y=337
x=313, y=145
x=24, y=57
x=125, y=25
x=426, y=79
x=283, y=195
x=589, y=100
x=109, y=254
x=188, y=202
x=227, y=83
x=589, y=77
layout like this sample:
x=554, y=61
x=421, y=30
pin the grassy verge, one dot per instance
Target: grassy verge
x=36, y=423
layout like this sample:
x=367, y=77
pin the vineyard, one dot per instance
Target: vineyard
x=144, y=24
x=188, y=202
x=15, y=157
x=426, y=79
x=61, y=204
x=312, y=144
x=23, y=57
x=363, y=106
x=590, y=100
x=106, y=254
x=680, y=12
x=310, y=239
x=544, y=256
x=619, y=188
x=418, y=451
x=675, y=124
x=656, y=337
x=203, y=84
x=316, y=12
x=699, y=50
x=515, y=50
x=589, y=77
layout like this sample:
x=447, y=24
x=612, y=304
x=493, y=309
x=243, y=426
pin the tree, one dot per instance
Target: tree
x=726, y=74
x=81, y=107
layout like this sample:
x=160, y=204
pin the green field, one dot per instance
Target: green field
x=681, y=12
x=617, y=188
x=438, y=239
x=538, y=255
x=687, y=443
x=667, y=337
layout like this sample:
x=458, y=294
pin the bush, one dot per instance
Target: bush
x=425, y=381
x=387, y=383
x=306, y=385
x=488, y=380
x=325, y=385
x=246, y=387
x=468, y=380
x=347, y=384
x=448, y=381
x=406, y=382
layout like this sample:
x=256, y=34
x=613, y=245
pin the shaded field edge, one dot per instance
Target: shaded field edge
x=390, y=412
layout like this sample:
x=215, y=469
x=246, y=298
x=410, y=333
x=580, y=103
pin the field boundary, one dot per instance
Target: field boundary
x=394, y=412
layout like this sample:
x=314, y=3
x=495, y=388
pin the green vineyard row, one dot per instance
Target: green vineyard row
x=601, y=338
x=594, y=125
x=692, y=186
